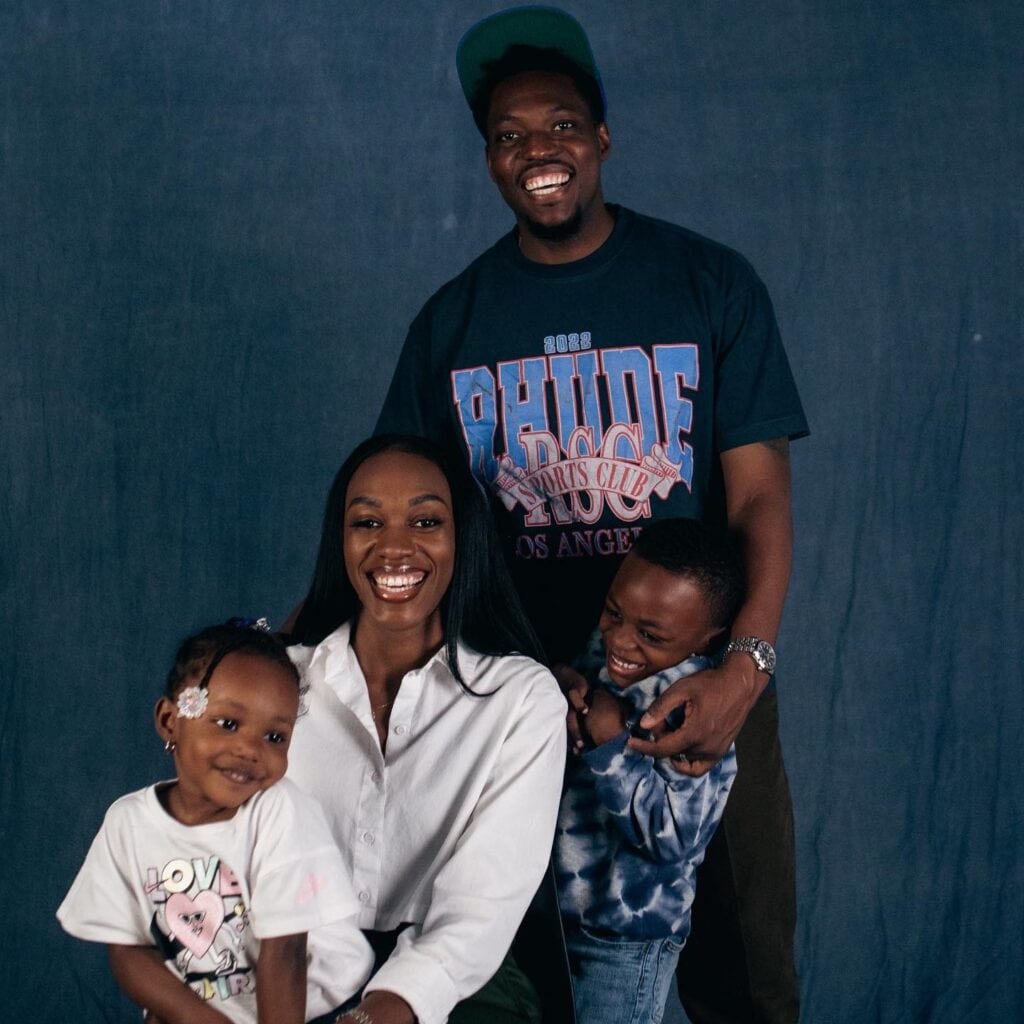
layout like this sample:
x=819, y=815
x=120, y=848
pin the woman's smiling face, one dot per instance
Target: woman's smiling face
x=399, y=543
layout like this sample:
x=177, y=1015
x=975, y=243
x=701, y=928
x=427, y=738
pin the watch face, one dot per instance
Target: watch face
x=764, y=656
x=761, y=651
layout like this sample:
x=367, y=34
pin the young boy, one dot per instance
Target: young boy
x=633, y=830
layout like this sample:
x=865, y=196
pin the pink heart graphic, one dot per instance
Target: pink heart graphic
x=194, y=922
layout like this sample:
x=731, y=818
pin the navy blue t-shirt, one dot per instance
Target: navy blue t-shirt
x=591, y=397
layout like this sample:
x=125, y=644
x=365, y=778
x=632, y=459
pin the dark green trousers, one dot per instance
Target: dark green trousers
x=737, y=965
x=508, y=998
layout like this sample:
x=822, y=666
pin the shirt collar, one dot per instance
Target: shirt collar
x=341, y=669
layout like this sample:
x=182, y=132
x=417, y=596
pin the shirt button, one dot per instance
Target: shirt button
x=364, y=897
x=399, y=730
x=367, y=838
x=375, y=778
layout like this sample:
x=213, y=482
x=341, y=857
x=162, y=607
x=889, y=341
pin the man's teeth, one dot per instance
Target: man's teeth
x=544, y=184
x=398, y=581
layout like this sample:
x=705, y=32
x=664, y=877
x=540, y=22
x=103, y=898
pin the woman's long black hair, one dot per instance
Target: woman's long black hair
x=481, y=607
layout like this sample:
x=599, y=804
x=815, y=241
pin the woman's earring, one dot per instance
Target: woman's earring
x=169, y=746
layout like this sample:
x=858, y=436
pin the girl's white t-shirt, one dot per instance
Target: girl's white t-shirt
x=204, y=896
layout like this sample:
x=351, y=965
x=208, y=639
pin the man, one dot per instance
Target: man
x=601, y=369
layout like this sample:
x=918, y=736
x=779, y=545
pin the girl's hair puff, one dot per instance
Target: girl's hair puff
x=199, y=655
x=480, y=608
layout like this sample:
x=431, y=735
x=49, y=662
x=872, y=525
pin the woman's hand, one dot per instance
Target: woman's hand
x=380, y=1007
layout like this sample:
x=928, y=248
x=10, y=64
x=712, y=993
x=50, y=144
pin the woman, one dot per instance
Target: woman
x=435, y=745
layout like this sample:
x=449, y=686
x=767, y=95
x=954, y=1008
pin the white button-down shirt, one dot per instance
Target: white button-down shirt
x=452, y=828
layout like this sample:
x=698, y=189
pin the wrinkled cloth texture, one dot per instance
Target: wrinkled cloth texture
x=219, y=220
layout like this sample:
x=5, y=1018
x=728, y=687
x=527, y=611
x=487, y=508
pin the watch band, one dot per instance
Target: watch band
x=762, y=652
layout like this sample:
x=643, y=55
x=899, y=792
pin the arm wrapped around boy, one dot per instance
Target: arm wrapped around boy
x=632, y=829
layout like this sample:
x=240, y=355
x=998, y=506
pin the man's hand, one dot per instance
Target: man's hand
x=577, y=691
x=715, y=703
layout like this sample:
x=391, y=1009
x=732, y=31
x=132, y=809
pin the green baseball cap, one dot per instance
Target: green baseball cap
x=540, y=26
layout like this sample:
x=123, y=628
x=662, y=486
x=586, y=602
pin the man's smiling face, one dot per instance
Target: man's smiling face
x=544, y=152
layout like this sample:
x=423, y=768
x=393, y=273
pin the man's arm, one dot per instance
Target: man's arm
x=669, y=815
x=757, y=490
x=143, y=977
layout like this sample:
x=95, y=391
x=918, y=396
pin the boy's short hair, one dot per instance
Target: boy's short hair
x=518, y=60
x=708, y=556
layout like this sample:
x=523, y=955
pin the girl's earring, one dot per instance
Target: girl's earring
x=169, y=746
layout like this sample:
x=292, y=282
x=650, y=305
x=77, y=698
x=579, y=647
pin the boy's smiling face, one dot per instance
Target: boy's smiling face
x=652, y=619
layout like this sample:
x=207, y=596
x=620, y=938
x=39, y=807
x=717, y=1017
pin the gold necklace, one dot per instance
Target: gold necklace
x=379, y=707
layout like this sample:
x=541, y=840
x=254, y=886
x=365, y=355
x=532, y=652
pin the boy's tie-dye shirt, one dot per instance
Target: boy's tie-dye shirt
x=631, y=829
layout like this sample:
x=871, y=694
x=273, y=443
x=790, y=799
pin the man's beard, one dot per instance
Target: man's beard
x=557, y=232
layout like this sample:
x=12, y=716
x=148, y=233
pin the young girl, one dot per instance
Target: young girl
x=205, y=887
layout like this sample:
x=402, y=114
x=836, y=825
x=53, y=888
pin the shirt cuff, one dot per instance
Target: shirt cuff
x=421, y=982
x=792, y=427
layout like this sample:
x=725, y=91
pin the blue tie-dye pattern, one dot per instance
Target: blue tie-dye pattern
x=632, y=830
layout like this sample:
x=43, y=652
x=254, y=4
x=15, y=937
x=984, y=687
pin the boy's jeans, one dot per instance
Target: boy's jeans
x=620, y=981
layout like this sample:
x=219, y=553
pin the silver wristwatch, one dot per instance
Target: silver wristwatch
x=760, y=650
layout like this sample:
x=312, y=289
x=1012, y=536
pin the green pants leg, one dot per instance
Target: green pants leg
x=737, y=965
x=508, y=998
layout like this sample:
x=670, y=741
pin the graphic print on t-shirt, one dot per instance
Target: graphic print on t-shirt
x=580, y=435
x=200, y=922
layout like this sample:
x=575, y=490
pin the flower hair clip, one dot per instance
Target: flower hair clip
x=192, y=702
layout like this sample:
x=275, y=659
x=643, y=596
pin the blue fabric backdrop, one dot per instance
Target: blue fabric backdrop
x=218, y=219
